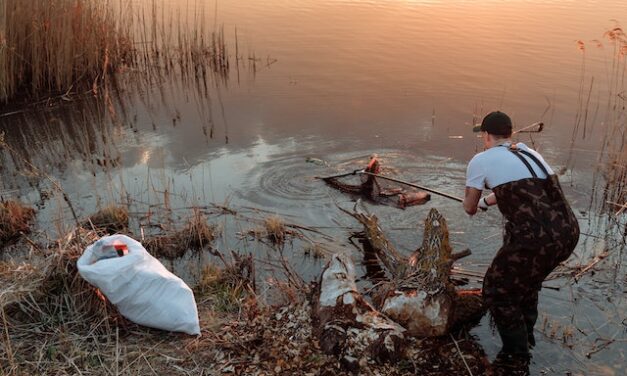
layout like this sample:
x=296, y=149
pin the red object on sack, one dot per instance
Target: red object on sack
x=120, y=248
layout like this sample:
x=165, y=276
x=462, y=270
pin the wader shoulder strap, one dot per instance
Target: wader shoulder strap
x=540, y=165
x=515, y=152
x=535, y=159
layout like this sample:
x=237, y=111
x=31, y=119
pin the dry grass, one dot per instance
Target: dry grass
x=195, y=235
x=48, y=311
x=14, y=220
x=316, y=251
x=614, y=197
x=49, y=46
x=109, y=220
x=231, y=288
x=56, y=47
x=54, y=323
x=275, y=229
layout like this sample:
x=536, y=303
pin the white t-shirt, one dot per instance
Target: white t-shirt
x=498, y=165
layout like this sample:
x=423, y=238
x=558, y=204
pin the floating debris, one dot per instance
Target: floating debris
x=316, y=161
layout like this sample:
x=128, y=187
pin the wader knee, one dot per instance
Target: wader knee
x=531, y=316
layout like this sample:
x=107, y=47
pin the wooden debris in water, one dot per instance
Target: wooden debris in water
x=348, y=326
x=418, y=293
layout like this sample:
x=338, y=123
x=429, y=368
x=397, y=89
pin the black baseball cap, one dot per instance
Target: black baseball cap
x=497, y=123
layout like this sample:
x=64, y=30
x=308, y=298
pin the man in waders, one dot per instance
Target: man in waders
x=541, y=231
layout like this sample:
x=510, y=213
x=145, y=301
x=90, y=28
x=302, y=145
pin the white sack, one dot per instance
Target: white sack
x=142, y=289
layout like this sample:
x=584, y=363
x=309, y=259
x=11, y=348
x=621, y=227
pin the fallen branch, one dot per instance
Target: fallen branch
x=459, y=351
x=595, y=261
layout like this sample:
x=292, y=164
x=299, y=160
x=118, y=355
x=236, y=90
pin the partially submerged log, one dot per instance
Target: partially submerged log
x=419, y=294
x=347, y=325
x=421, y=297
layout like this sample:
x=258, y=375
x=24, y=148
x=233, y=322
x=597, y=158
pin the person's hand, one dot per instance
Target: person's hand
x=483, y=204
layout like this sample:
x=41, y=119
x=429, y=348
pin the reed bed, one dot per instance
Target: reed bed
x=614, y=152
x=52, y=46
x=60, y=47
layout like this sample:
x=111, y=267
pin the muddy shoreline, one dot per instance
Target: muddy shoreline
x=56, y=323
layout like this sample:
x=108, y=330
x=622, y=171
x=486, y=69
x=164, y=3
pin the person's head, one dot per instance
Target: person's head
x=495, y=127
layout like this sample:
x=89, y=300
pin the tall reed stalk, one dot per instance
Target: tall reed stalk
x=615, y=136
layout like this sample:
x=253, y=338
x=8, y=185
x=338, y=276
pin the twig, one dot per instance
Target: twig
x=603, y=346
x=597, y=259
x=8, y=339
x=117, y=351
x=459, y=351
x=461, y=254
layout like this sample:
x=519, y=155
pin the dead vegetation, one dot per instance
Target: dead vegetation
x=53, y=322
x=14, y=220
x=196, y=234
x=51, y=46
x=64, y=47
x=230, y=288
x=50, y=315
x=282, y=340
x=109, y=220
x=274, y=229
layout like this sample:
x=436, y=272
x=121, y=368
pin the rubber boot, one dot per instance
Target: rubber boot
x=513, y=359
x=514, y=340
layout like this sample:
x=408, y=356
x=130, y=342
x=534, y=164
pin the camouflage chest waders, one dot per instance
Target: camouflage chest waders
x=541, y=231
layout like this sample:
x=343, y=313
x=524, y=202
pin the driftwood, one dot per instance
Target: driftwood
x=420, y=295
x=416, y=291
x=347, y=325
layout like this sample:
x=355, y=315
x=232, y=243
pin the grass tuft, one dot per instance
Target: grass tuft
x=275, y=229
x=14, y=220
x=195, y=235
x=109, y=220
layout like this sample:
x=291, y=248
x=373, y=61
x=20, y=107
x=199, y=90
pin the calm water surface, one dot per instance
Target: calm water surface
x=339, y=80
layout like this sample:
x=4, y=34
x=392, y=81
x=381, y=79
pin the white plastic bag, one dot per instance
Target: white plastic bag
x=142, y=289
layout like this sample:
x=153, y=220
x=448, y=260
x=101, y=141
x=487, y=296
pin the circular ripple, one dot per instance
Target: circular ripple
x=285, y=181
x=291, y=178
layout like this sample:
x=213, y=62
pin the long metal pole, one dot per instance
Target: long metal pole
x=538, y=124
x=412, y=185
x=340, y=175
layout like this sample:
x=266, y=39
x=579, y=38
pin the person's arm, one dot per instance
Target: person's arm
x=475, y=181
x=490, y=199
x=471, y=199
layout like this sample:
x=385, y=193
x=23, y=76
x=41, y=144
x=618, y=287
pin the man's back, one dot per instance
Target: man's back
x=498, y=165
